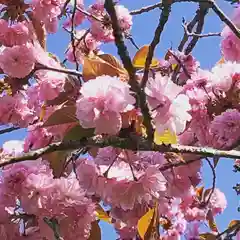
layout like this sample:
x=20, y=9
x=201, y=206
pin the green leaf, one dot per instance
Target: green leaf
x=63, y=115
x=78, y=132
x=95, y=233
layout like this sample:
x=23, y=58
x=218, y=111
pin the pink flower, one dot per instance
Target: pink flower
x=50, y=83
x=102, y=31
x=230, y=45
x=4, y=28
x=62, y=199
x=119, y=187
x=223, y=74
x=227, y=127
x=14, y=109
x=124, y=18
x=169, y=108
x=17, y=61
x=47, y=11
x=218, y=201
x=16, y=34
x=37, y=138
x=102, y=102
x=14, y=175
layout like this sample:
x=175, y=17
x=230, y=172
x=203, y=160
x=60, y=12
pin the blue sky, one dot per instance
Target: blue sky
x=207, y=52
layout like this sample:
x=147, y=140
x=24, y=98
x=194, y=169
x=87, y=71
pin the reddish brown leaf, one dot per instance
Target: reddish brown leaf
x=102, y=65
x=61, y=116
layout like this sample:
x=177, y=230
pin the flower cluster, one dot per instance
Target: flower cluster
x=60, y=192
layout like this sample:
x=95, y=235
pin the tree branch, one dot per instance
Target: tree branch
x=146, y=9
x=224, y=18
x=134, y=144
x=124, y=55
x=9, y=129
x=162, y=21
x=225, y=233
x=189, y=27
x=203, y=10
x=194, y=34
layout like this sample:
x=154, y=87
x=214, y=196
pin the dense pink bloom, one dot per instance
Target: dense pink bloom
x=119, y=188
x=62, y=199
x=47, y=12
x=124, y=18
x=218, y=202
x=17, y=61
x=37, y=137
x=101, y=102
x=14, y=109
x=169, y=107
x=227, y=127
x=230, y=45
x=14, y=175
x=15, y=34
x=223, y=75
x=50, y=84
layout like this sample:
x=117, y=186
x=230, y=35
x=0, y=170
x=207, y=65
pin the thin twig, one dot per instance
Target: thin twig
x=60, y=70
x=146, y=9
x=193, y=34
x=190, y=27
x=181, y=65
x=72, y=36
x=130, y=38
x=137, y=144
x=162, y=22
x=213, y=181
x=7, y=130
x=89, y=15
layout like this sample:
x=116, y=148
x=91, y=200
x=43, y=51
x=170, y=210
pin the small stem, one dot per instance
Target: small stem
x=162, y=22
x=60, y=70
x=7, y=130
x=146, y=9
x=213, y=182
x=89, y=15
